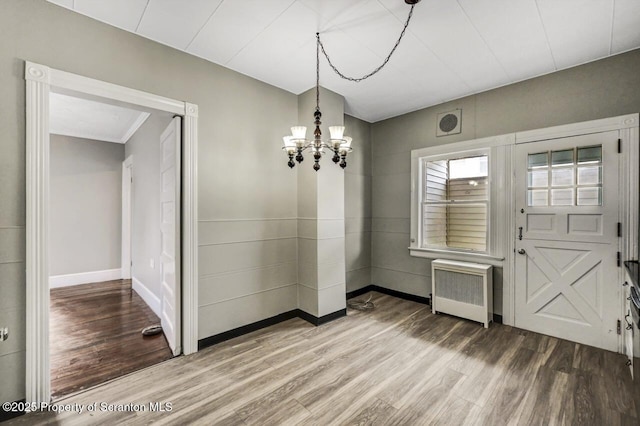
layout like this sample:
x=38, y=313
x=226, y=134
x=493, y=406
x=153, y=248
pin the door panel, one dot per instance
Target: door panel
x=170, y=143
x=566, y=264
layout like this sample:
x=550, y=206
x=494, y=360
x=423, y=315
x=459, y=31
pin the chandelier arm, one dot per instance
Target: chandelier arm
x=375, y=71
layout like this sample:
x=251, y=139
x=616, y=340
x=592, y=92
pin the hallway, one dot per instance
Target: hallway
x=95, y=335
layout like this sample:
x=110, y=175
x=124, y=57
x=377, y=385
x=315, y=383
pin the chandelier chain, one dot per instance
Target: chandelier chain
x=318, y=72
x=375, y=71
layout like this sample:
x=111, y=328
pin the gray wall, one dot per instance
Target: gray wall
x=85, y=205
x=144, y=145
x=605, y=88
x=357, y=180
x=247, y=201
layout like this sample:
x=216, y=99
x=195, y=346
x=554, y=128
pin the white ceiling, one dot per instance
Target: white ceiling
x=452, y=48
x=83, y=118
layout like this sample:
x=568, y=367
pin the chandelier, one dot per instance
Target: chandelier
x=296, y=143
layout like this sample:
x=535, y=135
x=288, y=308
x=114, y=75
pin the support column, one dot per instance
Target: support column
x=321, y=232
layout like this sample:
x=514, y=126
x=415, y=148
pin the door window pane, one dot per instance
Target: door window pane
x=561, y=158
x=590, y=154
x=590, y=175
x=562, y=197
x=590, y=196
x=562, y=177
x=538, y=160
x=539, y=178
x=537, y=198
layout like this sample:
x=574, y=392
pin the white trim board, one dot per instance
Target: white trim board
x=68, y=280
x=582, y=128
x=40, y=81
x=147, y=295
x=127, y=186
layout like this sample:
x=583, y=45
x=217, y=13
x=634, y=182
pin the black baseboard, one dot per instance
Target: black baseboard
x=359, y=292
x=394, y=293
x=8, y=415
x=321, y=320
x=497, y=318
x=246, y=329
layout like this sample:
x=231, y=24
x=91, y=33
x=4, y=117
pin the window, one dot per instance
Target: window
x=570, y=177
x=455, y=203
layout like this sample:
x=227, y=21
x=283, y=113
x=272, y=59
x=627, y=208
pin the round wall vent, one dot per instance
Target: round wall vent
x=449, y=123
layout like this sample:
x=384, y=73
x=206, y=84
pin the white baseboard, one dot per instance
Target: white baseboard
x=68, y=280
x=147, y=295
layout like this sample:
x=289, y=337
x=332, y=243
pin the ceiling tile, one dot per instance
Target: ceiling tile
x=331, y=12
x=176, y=23
x=578, y=31
x=82, y=118
x=64, y=3
x=287, y=44
x=233, y=26
x=514, y=33
x=445, y=29
x=123, y=14
x=451, y=49
x=626, y=29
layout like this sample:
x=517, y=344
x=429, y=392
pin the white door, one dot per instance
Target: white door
x=170, y=144
x=567, y=238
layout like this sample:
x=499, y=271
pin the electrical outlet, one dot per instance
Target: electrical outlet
x=4, y=334
x=152, y=263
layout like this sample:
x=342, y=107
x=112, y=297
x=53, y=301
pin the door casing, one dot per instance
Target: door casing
x=628, y=178
x=40, y=80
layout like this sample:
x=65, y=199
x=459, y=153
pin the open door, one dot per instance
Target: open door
x=170, y=148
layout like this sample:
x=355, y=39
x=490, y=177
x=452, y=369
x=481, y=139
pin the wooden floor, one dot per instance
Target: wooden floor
x=95, y=335
x=398, y=364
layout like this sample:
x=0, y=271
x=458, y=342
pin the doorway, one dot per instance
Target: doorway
x=101, y=222
x=40, y=82
x=568, y=242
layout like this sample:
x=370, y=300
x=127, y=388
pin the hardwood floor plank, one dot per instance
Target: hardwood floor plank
x=561, y=358
x=375, y=412
x=542, y=403
x=95, y=335
x=396, y=365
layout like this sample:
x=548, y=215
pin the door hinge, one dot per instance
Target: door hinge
x=618, y=259
x=619, y=146
x=619, y=229
x=619, y=327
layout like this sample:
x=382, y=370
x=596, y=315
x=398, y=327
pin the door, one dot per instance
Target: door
x=170, y=148
x=567, y=238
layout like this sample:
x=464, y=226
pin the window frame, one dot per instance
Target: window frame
x=422, y=160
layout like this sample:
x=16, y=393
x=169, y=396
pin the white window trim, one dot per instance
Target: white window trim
x=498, y=175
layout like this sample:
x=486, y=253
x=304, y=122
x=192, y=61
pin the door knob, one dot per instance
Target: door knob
x=521, y=251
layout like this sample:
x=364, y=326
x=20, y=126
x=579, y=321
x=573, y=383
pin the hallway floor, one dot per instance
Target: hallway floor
x=95, y=335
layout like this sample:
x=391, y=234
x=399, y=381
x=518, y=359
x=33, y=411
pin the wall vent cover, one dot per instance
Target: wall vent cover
x=449, y=123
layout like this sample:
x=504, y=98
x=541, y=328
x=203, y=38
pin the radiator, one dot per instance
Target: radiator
x=462, y=289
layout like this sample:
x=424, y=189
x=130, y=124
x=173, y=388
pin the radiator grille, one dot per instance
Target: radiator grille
x=460, y=287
